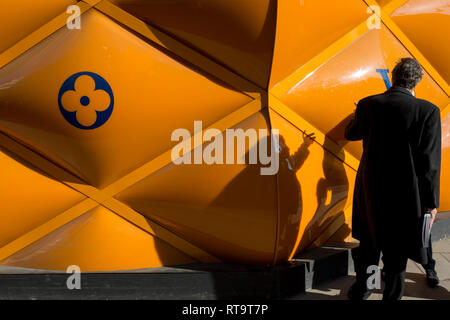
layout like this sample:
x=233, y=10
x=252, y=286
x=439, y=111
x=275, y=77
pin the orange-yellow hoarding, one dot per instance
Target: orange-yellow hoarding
x=92, y=92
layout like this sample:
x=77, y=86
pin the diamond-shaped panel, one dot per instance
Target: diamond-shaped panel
x=20, y=18
x=314, y=188
x=97, y=240
x=427, y=23
x=237, y=33
x=49, y=101
x=28, y=197
x=305, y=28
x=227, y=209
x=348, y=77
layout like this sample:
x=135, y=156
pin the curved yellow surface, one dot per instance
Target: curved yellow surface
x=19, y=18
x=28, y=197
x=314, y=189
x=133, y=68
x=236, y=33
x=348, y=77
x=98, y=240
x=421, y=21
x=305, y=28
x=444, y=204
x=229, y=210
x=86, y=117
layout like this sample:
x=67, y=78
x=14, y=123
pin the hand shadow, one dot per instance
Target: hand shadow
x=331, y=192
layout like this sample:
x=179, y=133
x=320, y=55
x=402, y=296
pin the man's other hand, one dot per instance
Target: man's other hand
x=433, y=215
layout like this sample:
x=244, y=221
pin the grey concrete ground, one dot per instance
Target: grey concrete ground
x=415, y=289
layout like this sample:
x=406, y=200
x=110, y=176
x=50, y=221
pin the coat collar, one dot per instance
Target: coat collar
x=399, y=89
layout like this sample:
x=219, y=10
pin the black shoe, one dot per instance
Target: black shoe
x=432, y=278
x=356, y=293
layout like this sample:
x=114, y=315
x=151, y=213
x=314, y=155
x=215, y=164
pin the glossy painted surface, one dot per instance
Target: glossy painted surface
x=384, y=2
x=237, y=33
x=314, y=189
x=28, y=197
x=102, y=102
x=21, y=17
x=427, y=24
x=229, y=210
x=305, y=28
x=348, y=77
x=148, y=103
x=444, y=204
x=98, y=240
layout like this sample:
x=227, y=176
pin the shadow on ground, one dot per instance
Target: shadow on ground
x=415, y=288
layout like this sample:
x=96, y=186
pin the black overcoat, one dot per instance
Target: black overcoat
x=399, y=172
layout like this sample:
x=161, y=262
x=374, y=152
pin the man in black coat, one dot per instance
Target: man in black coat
x=397, y=180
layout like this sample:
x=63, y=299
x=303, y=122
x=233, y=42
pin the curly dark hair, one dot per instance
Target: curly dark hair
x=407, y=73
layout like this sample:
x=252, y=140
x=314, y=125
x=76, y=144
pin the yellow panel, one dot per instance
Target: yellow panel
x=104, y=100
x=28, y=198
x=427, y=23
x=150, y=95
x=444, y=203
x=99, y=240
x=304, y=28
x=225, y=209
x=344, y=233
x=348, y=77
x=237, y=33
x=314, y=188
x=384, y=2
x=19, y=18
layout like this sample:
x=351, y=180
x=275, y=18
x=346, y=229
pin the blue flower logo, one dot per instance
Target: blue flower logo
x=86, y=100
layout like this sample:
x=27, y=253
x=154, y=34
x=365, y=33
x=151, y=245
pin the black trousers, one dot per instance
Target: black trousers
x=394, y=267
x=431, y=262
